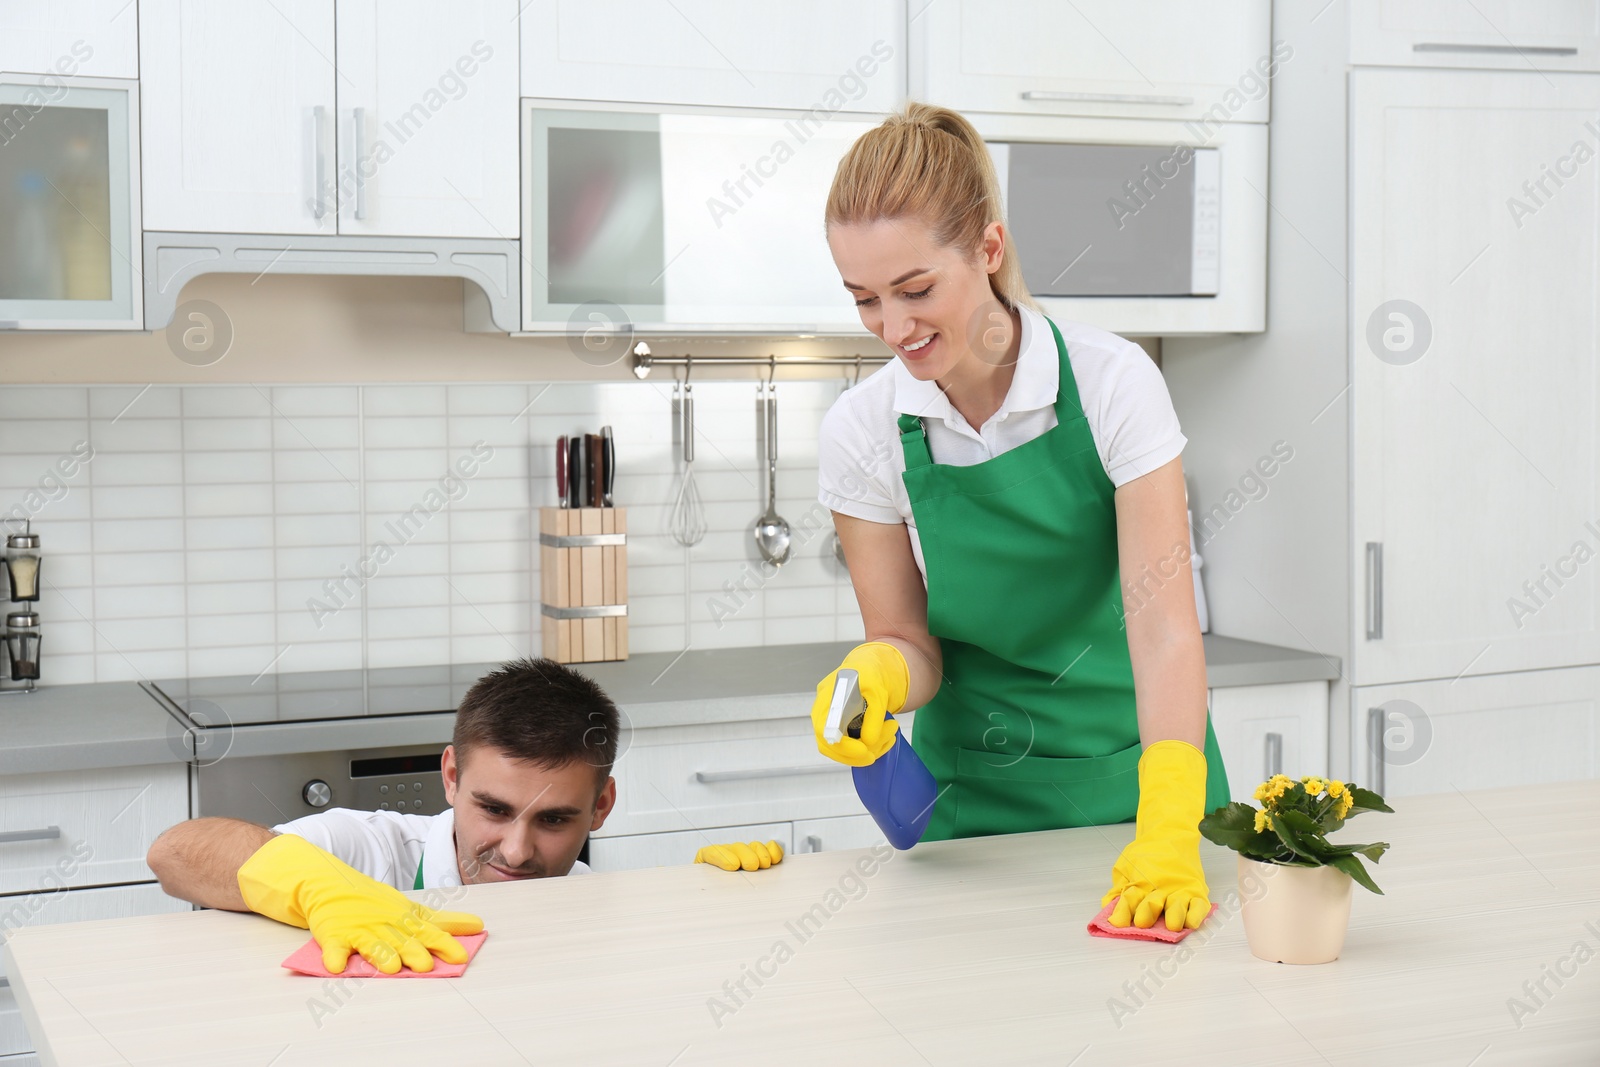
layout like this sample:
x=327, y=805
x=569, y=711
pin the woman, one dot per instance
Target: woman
x=990, y=485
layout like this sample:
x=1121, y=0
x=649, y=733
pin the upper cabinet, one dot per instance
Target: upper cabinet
x=1168, y=59
x=69, y=38
x=832, y=55
x=1510, y=34
x=69, y=203
x=316, y=117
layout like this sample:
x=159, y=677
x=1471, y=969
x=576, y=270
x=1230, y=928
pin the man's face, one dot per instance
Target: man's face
x=516, y=819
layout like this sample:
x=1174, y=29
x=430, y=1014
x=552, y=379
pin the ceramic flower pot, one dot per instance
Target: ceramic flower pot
x=1294, y=914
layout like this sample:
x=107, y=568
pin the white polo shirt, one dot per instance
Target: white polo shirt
x=388, y=845
x=1124, y=397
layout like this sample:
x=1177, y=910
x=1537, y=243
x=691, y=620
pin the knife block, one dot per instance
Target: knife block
x=583, y=584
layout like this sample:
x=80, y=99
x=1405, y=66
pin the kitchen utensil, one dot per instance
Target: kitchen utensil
x=897, y=790
x=561, y=471
x=771, y=531
x=688, y=511
x=608, y=455
x=22, y=647
x=597, y=469
x=22, y=563
x=574, y=470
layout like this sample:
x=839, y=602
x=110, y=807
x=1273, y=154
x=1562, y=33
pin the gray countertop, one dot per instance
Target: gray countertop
x=116, y=724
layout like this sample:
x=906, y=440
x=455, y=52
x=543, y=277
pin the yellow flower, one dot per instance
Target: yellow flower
x=1313, y=784
x=1346, y=802
x=1262, y=823
x=1335, y=788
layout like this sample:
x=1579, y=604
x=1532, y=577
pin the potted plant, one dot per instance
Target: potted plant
x=1294, y=883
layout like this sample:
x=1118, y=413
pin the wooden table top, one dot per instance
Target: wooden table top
x=958, y=952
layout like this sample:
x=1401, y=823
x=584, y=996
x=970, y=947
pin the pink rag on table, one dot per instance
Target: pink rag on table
x=307, y=959
x=1100, y=927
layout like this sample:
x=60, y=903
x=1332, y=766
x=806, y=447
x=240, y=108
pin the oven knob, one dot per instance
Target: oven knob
x=316, y=793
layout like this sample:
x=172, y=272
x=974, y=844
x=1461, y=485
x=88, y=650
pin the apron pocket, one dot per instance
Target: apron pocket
x=1003, y=794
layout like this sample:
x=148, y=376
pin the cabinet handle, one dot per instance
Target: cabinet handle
x=10, y=324
x=49, y=833
x=359, y=134
x=319, y=163
x=1375, y=726
x=1274, y=755
x=711, y=777
x=1374, y=590
x=812, y=842
x=1495, y=49
x=1109, y=98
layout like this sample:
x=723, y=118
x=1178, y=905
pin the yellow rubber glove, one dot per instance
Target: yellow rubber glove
x=738, y=856
x=293, y=881
x=884, y=679
x=1159, y=872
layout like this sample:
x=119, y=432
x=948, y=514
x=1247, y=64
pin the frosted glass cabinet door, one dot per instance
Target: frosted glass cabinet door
x=69, y=204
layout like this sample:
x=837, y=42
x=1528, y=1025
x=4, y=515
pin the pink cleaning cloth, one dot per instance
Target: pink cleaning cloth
x=307, y=959
x=1100, y=927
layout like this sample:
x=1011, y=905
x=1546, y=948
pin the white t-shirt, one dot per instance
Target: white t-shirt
x=1124, y=397
x=388, y=845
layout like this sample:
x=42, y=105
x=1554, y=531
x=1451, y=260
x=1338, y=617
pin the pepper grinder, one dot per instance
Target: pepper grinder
x=22, y=564
x=22, y=649
x=21, y=637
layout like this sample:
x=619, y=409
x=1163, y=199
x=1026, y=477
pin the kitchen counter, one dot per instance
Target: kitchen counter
x=957, y=952
x=115, y=724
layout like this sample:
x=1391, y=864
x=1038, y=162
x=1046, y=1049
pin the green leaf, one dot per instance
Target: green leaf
x=1366, y=800
x=1352, y=866
x=1232, y=826
x=1289, y=826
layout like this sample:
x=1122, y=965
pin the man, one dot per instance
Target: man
x=527, y=777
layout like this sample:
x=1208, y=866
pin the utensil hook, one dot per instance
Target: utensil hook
x=858, y=370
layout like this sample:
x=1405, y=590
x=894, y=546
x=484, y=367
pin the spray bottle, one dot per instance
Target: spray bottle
x=898, y=789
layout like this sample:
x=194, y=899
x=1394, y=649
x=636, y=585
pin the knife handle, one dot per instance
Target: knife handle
x=574, y=468
x=561, y=470
x=596, y=469
x=608, y=454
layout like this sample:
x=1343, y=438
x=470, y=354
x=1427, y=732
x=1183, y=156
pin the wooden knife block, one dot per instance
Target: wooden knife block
x=583, y=584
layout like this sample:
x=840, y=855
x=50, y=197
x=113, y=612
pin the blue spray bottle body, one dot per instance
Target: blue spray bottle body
x=897, y=789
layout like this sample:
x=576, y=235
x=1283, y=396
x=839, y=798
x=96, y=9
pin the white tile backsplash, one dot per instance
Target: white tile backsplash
x=235, y=529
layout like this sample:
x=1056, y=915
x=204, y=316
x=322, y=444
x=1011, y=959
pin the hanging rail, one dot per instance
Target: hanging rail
x=643, y=361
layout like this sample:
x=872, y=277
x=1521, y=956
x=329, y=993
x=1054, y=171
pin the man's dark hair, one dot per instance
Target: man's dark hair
x=540, y=711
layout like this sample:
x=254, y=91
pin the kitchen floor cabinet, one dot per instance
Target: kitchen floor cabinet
x=831, y=54
x=70, y=38
x=826, y=835
x=1474, y=328
x=1528, y=728
x=324, y=117
x=1166, y=59
x=1485, y=33
x=1264, y=730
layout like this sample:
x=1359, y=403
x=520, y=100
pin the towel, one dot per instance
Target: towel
x=1099, y=927
x=307, y=959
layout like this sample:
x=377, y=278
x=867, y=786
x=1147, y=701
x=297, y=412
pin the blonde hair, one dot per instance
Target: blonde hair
x=928, y=162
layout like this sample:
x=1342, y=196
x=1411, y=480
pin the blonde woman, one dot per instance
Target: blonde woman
x=991, y=485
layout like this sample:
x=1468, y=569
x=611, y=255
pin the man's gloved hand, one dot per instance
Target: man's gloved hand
x=293, y=881
x=1159, y=872
x=884, y=679
x=754, y=856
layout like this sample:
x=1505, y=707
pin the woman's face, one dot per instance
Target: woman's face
x=929, y=303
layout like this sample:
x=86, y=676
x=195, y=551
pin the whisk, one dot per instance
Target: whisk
x=688, y=511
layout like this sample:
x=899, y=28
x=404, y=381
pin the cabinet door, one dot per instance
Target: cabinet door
x=828, y=54
x=1158, y=59
x=40, y=909
x=70, y=38
x=1513, y=34
x=635, y=851
x=1475, y=333
x=1527, y=728
x=428, y=118
x=238, y=115
x=1264, y=730
x=827, y=835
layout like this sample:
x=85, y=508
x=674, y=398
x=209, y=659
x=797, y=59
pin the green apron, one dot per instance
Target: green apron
x=1034, y=725
x=418, y=883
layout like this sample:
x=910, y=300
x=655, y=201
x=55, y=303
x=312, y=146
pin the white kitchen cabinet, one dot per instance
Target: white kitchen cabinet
x=41, y=908
x=1474, y=328
x=1522, y=729
x=634, y=851
x=69, y=203
x=1512, y=34
x=86, y=828
x=1264, y=730
x=70, y=38
x=830, y=55
x=828, y=835
x=1163, y=59
x=427, y=100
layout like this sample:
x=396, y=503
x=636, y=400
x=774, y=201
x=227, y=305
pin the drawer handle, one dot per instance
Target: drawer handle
x=1495, y=49
x=1108, y=98
x=49, y=833
x=1374, y=590
x=1274, y=755
x=711, y=777
x=1377, y=723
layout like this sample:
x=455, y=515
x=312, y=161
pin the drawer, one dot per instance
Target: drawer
x=77, y=905
x=636, y=851
x=1264, y=730
x=828, y=835
x=85, y=828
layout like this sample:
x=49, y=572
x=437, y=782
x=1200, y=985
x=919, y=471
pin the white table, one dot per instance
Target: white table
x=960, y=952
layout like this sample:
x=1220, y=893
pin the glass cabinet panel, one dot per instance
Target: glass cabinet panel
x=69, y=216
